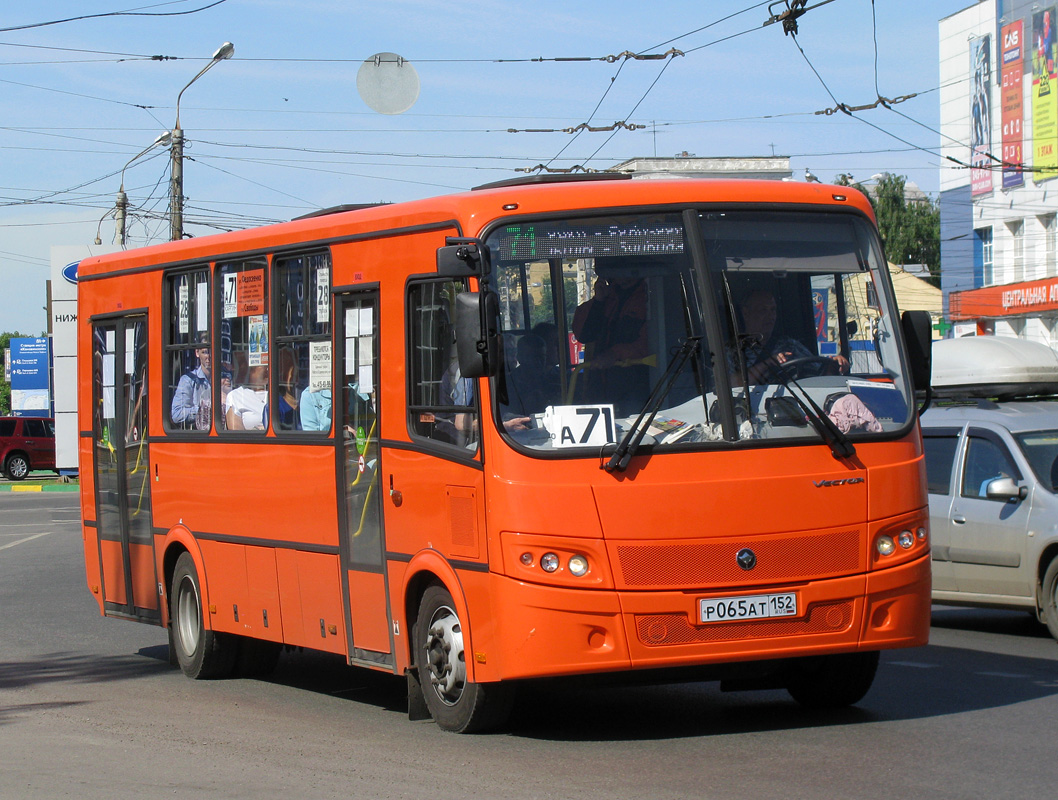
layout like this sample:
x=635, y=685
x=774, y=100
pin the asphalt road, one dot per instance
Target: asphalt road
x=90, y=708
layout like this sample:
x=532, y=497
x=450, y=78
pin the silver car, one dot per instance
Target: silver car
x=992, y=470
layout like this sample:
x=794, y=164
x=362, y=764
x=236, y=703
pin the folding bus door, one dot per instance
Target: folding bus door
x=122, y=468
x=362, y=541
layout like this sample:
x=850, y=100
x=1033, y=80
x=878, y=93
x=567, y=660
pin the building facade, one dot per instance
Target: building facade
x=999, y=185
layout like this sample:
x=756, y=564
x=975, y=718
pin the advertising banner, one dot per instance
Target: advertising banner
x=1013, y=106
x=981, y=116
x=1044, y=97
x=30, y=381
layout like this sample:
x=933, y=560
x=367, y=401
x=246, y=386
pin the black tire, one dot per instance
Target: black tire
x=1050, y=597
x=16, y=467
x=200, y=652
x=832, y=681
x=455, y=703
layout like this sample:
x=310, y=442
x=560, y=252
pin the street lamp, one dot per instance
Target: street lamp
x=122, y=202
x=176, y=181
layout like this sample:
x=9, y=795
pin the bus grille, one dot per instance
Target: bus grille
x=712, y=564
x=661, y=630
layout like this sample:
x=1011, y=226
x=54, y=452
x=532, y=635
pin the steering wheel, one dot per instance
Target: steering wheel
x=805, y=367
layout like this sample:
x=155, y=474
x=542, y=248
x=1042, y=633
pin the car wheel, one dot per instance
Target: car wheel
x=1050, y=597
x=455, y=703
x=832, y=681
x=201, y=653
x=16, y=466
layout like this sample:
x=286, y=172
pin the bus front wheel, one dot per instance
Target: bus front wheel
x=200, y=652
x=832, y=681
x=455, y=703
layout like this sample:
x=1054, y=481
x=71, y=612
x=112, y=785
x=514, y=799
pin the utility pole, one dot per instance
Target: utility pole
x=176, y=148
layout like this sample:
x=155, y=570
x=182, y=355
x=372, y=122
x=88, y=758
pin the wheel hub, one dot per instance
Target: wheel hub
x=445, y=658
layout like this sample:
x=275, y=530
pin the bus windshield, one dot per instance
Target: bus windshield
x=787, y=316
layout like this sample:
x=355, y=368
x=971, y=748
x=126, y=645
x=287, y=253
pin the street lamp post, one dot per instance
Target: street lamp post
x=176, y=149
x=122, y=201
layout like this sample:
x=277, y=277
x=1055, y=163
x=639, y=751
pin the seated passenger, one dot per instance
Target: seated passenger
x=245, y=408
x=531, y=386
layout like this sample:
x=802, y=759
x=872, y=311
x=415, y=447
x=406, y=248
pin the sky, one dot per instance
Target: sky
x=280, y=129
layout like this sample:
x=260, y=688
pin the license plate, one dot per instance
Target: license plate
x=756, y=606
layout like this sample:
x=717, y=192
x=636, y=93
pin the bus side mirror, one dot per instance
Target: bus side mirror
x=477, y=322
x=918, y=334
x=463, y=258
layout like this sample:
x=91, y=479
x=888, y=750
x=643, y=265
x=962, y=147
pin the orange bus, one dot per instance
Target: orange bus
x=541, y=428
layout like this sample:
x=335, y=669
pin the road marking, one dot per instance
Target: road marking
x=27, y=539
x=915, y=664
x=1001, y=674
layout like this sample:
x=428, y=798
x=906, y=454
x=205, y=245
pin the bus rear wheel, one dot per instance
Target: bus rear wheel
x=832, y=681
x=455, y=703
x=200, y=652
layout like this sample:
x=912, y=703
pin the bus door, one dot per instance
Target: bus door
x=122, y=468
x=362, y=544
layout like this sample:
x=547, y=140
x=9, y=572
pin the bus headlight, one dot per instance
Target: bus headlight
x=906, y=539
x=549, y=562
x=885, y=545
x=578, y=565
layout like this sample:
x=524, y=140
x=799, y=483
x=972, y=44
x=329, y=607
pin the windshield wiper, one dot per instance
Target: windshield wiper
x=830, y=433
x=630, y=442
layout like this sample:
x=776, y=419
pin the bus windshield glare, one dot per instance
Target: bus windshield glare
x=718, y=328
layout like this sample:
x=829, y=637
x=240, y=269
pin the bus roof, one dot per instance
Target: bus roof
x=472, y=211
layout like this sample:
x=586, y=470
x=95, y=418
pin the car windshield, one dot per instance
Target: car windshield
x=748, y=325
x=1041, y=451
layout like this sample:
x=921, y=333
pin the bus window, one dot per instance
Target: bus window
x=189, y=395
x=778, y=302
x=303, y=343
x=244, y=343
x=442, y=406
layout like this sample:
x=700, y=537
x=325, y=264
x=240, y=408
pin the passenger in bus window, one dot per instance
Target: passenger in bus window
x=314, y=409
x=612, y=326
x=287, y=418
x=246, y=404
x=192, y=401
x=531, y=385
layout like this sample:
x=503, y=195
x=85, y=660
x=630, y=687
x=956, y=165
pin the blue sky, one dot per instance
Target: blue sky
x=280, y=130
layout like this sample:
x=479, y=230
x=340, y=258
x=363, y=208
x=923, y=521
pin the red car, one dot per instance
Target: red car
x=26, y=443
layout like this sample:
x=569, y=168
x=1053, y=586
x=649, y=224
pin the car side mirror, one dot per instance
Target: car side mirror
x=1006, y=489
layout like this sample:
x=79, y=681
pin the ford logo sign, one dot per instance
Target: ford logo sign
x=69, y=272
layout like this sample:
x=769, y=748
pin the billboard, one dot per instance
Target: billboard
x=30, y=377
x=1013, y=118
x=1044, y=96
x=981, y=116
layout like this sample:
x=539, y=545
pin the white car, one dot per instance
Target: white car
x=992, y=472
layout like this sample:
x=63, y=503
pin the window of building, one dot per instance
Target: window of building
x=442, y=405
x=1017, y=232
x=1050, y=228
x=189, y=385
x=984, y=267
x=244, y=344
x=302, y=286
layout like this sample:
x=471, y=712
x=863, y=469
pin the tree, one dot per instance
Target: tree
x=910, y=227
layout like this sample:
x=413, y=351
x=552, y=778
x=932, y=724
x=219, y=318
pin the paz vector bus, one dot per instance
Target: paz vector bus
x=542, y=428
